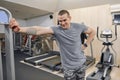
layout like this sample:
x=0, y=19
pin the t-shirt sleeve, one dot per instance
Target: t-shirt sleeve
x=84, y=28
x=54, y=30
x=81, y=28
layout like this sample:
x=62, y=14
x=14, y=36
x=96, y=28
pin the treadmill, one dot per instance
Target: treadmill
x=35, y=60
x=90, y=60
x=53, y=64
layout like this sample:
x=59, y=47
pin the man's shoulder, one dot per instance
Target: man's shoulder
x=55, y=27
x=76, y=24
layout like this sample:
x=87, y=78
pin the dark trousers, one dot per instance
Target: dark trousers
x=75, y=74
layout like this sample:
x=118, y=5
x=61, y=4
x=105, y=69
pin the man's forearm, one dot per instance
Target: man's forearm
x=36, y=30
x=28, y=30
x=90, y=37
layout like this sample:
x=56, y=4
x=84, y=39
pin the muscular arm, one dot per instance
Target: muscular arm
x=36, y=30
x=91, y=33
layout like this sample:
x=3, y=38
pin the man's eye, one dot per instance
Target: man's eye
x=64, y=20
x=60, y=21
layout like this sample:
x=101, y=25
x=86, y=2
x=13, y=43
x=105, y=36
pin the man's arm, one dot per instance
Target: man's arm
x=91, y=34
x=34, y=30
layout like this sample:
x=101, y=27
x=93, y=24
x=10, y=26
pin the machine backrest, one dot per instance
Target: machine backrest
x=83, y=37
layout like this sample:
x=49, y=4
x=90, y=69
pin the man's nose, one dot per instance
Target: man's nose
x=62, y=22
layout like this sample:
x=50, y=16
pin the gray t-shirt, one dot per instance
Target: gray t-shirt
x=69, y=42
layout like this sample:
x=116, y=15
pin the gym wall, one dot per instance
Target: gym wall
x=41, y=21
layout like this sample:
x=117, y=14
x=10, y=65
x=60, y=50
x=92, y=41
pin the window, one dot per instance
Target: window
x=116, y=18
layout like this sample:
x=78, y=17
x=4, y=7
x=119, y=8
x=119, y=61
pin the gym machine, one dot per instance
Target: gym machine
x=106, y=63
x=53, y=64
x=17, y=38
x=38, y=59
x=35, y=60
x=34, y=45
x=6, y=33
x=27, y=46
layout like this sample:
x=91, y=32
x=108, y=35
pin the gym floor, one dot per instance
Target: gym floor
x=25, y=72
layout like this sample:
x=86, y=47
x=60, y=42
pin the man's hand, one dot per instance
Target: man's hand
x=14, y=25
x=83, y=47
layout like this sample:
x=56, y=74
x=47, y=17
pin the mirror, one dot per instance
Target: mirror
x=4, y=18
x=5, y=15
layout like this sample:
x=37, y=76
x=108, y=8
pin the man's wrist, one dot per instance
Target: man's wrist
x=85, y=45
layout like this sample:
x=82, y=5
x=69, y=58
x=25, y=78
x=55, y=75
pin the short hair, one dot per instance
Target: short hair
x=63, y=12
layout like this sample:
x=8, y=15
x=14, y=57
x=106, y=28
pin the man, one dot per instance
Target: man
x=67, y=35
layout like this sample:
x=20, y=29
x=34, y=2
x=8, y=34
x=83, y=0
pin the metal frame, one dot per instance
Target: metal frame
x=10, y=68
x=1, y=69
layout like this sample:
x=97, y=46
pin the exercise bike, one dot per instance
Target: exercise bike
x=106, y=63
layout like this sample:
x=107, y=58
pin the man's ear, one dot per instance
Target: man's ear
x=70, y=17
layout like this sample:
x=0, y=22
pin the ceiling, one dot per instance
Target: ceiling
x=23, y=12
x=26, y=9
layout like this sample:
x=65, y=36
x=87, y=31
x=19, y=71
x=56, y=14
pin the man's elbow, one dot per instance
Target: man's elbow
x=92, y=32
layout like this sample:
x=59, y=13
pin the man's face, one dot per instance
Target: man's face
x=64, y=21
